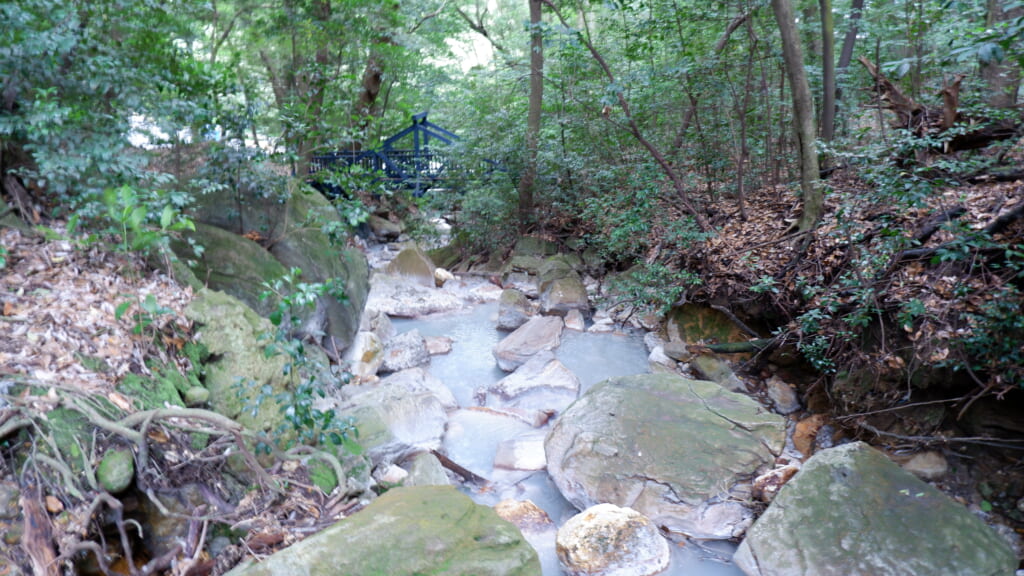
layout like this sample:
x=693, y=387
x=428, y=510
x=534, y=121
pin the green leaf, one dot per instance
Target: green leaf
x=166, y=217
x=121, y=309
x=985, y=506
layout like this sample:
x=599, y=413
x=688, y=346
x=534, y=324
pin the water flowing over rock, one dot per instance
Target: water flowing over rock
x=407, y=350
x=606, y=540
x=852, y=512
x=396, y=296
x=423, y=530
x=539, y=334
x=396, y=417
x=679, y=451
x=514, y=309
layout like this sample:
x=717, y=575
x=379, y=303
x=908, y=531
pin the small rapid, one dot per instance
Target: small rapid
x=475, y=434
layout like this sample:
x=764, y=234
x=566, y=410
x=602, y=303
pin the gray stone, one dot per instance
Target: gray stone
x=782, y=396
x=534, y=246
x=524, y=452
x=930, y=465
x=717, y=370
x=116, y=470
x=542, y=370
x=383, y=228
x=563, y=295
x=850, y=511
x=438, y=345
x=394, y=420
x=514, y=309
x=407, y=350
x=417, y=380
x=574, y=320
x=606, y=540
x=395, y=296
x=540, y=333
x=425, y=470
x=680, y=451
x=301, y=243
x=414, y=264
x=678, y=351
x=365, y=356
x=423, y=530
x=233, y=264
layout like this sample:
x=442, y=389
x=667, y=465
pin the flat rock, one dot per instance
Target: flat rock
x=423, y=530
x=850, y=511
x=682, y=452
x=539, y=334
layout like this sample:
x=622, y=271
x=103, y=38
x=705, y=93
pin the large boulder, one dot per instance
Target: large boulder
x=301, y=230
x=238, y=369
x=852, y=512
x=694, y=323
x=407, y=350
x=233, y=264
x=304, y=239
x=679, y=451
x=606, y=540
x=414, y=264
x=539, y=334
x=423, y=530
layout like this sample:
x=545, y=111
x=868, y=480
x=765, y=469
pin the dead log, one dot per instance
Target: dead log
x=923, y=121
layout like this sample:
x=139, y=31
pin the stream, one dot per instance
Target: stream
x=473, y=436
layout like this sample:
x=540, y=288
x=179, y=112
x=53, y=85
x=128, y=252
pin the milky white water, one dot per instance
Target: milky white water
x=474, y=435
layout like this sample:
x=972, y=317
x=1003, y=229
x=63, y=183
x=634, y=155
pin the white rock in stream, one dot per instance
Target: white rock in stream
x=606, y=540
x=407, y=350
x=525, y=452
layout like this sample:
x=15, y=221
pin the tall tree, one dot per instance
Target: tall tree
x=803, y=116
x=528, y=179
x=828, y=72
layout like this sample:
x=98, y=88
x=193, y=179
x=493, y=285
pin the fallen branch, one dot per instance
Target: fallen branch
x=467, y=475
x=739, y=347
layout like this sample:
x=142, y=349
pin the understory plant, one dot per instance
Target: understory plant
x=304, y=422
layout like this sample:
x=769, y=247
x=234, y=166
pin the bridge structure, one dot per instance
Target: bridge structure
x=418, y=169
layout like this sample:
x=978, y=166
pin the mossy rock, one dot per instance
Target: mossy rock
x=233, y=264
x=238, y=369
x=693, y=323
x=322, y=475
x=152, y=392
x=423, y=530
x=116, y=470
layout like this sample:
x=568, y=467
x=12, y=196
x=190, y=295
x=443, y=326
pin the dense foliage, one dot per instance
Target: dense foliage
x=658, y=120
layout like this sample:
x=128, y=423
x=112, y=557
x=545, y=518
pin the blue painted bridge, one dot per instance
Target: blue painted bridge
x=418, y=169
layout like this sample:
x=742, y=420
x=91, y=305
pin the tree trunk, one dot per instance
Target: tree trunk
x=528, y=180
x=828, y=69
x=1002, y=78
x=803, y=116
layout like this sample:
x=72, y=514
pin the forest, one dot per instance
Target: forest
x=841, y=178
